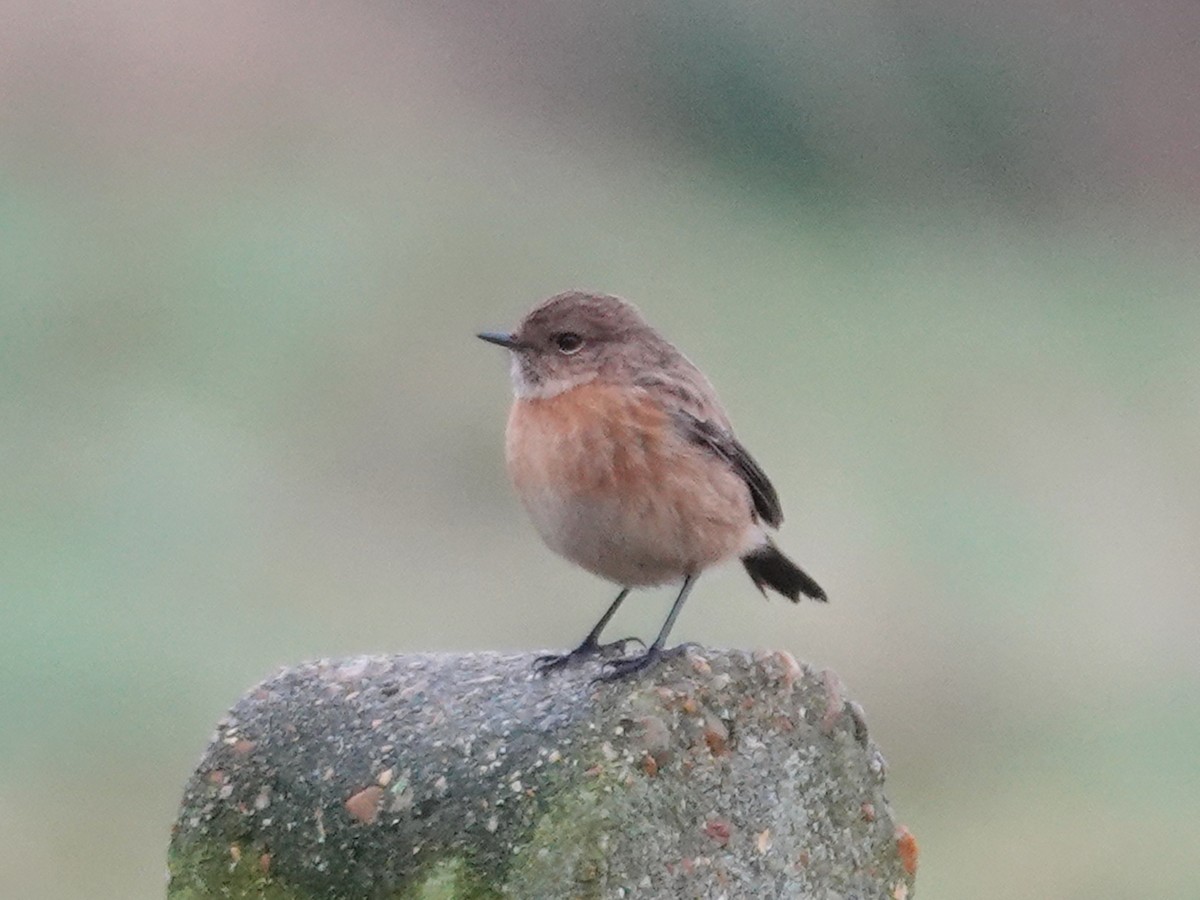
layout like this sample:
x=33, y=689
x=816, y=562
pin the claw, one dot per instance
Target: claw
x=551, y=662
x=544, y=665
x=621, y=668
x=617, y=669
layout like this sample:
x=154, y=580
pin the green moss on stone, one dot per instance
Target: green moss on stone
x=206, y=874
x=450, y=879
x=566, y=855
x=203, y=872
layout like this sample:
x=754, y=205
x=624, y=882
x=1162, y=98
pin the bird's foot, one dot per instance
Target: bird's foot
x=551, y=662
x=616, y=669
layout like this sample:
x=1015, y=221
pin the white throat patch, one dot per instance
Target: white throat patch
x=527, y=390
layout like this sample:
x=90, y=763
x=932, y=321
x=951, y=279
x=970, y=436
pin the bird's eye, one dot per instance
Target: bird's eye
x=568, y=342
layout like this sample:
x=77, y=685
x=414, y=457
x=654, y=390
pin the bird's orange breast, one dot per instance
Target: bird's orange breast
x=592, y=439
x=611, y=484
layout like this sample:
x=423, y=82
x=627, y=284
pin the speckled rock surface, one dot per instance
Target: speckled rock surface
x=719, y=774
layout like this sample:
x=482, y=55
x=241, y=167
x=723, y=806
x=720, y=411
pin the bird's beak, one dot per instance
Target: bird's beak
x=499, y=337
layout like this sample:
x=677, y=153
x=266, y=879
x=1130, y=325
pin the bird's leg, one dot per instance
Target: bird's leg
x=619, y=668
x=591, y=645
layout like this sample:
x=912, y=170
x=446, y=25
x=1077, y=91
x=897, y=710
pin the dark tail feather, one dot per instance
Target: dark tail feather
x=768, y=567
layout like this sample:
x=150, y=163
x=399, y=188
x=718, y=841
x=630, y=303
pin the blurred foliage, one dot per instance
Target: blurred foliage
x=940, y=263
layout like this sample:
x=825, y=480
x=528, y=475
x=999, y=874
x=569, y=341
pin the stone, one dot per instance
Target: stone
x=718, y=774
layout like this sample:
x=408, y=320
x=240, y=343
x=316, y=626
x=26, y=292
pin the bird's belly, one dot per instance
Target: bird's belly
x=610, y=485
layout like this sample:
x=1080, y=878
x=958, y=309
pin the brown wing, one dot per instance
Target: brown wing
x=699, y=416
x=725, y=446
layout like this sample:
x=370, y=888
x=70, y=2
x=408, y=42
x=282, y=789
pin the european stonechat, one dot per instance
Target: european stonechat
x=624, y=459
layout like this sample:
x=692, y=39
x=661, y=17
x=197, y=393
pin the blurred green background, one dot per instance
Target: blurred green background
x=940, y=260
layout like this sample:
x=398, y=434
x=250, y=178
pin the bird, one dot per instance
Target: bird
x=628, y=466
